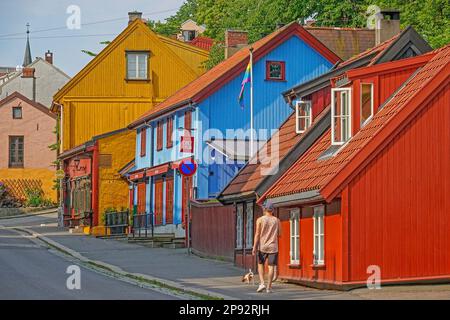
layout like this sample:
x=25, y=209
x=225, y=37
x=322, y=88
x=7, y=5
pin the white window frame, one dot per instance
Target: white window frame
x=363, y=123
x=319, y=236
x=307, y=118
x=294, y=236
x=342, y=91
x=239, y=225
x=138, y=57
x=249, y=218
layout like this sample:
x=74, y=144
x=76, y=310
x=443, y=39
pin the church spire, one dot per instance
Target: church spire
x=27, y=58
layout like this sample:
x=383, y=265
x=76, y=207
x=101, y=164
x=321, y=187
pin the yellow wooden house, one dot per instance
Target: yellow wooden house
x=131, y=75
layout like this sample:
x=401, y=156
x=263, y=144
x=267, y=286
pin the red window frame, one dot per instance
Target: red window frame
x=283, y=70
x=159, y=136
x=169, y=142
x=143, y=141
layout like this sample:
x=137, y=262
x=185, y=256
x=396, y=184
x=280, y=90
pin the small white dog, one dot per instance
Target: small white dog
x=249, y=277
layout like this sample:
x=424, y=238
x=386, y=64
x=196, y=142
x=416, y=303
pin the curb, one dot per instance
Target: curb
x=38, y=213
x=135, y=276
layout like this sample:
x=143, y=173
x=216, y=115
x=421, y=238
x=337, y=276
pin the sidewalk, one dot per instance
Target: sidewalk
x=176, y=265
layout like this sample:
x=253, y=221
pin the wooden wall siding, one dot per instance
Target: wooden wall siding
x=384, y=86
x=213, y=230
x=169, y=200
x=320, y=100
x=189, y=54
x=400, y=204
x=159, y=198
x=332, y=272
x=113, y=190
x=101, y=88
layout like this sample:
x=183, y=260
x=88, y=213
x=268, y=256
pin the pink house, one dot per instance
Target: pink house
x=26, y=132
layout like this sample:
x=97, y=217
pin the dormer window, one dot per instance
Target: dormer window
x=340, y=115
x=303, y=118
x=137, y=65
x=366, y=102
x=189, y=35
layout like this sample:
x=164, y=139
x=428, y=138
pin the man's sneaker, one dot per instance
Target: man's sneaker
x=261, y=288
x=269, y=290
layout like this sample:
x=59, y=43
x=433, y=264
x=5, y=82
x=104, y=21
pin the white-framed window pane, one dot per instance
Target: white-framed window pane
x=303, y=115
x=249, y=225
x=366, y=102
x=319, y=235
x=137, y=65
x=294, y=223
x=239, y=226
x=340, y=115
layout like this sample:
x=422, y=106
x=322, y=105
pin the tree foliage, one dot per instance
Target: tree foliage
x=431, y=18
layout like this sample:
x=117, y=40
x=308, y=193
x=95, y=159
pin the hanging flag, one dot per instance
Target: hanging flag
x=247, y=79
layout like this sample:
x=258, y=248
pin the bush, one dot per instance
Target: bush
x=35, y=198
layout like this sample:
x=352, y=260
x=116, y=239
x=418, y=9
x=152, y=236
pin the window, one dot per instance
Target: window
x=249, y=226
x=340, y=115
x=137, y=65
x=303, y=116
x=16, y=149
x=276, y=70
x=295, y=236
x=366, y=102
x=169, y=142
x=159, y=135
x=188, y=35
x=239, y=226
x=319, y=235
x=188, y=120
x=143, y=141
x=17, y=112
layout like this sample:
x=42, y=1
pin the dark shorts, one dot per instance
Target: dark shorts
x=272, y=258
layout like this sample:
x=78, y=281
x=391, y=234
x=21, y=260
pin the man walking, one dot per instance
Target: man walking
x=268, y=229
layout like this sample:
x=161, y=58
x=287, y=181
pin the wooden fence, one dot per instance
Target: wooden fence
x=17, y=188
x=213, y=230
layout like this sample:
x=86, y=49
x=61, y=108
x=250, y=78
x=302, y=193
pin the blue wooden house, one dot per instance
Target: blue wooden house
x=205, y=121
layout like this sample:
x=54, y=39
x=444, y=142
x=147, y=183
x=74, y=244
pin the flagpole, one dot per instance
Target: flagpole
x=251, y=102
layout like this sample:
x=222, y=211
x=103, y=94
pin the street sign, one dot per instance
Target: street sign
x=187, y=167
x=187, y=144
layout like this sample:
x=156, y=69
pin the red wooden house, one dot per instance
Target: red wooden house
x=371, y=193
x=294, y=137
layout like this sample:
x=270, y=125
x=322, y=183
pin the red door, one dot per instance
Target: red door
x=142, y=191
x=159, y=183
x=169, y=200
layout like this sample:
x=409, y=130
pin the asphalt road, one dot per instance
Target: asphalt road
x=31, y=271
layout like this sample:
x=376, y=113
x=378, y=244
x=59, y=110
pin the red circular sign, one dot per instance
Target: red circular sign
x=187, y=167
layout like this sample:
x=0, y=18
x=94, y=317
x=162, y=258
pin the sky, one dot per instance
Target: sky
x=66, y=44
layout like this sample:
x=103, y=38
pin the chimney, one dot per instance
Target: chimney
x=28, y=72
x=134, y=16
x=388, y=25
x=49, y=57
x=234, y=40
